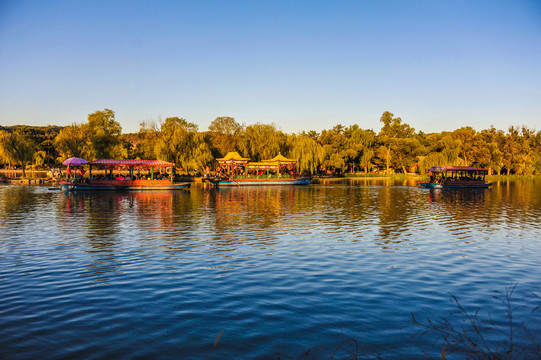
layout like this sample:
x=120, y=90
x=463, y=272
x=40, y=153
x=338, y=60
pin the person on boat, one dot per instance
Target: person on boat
x=68, y=172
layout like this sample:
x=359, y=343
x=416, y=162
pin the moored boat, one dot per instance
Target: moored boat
x=234, y=170
x=456, y=177
x=157, y=177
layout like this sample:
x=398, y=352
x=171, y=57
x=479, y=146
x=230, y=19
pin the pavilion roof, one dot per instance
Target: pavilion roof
x=233, y=156
x=280, y=158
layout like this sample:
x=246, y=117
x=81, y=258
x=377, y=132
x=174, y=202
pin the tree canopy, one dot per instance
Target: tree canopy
x=397, y=147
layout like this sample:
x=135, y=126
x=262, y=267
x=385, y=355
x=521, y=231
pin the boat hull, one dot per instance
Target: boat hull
x=264, y=182
x=456, y=186
x=120, y=185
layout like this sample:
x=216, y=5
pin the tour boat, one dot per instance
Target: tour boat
x=456, y=177
x=234, y=170
x=156, y=177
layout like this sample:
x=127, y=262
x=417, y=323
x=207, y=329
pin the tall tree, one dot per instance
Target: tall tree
x=72, y=141
x=104, y=132
x=308, y=154
x=178, y=141
x=17, y=148
x=335, y=152
x=262, y=141
x=225, y=135
x=392, y=130
x=147, y=138
x=465, y=135
x=361, y=142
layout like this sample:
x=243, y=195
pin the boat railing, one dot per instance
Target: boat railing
x=262, y=177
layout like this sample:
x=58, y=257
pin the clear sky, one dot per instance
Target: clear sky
x=303, y=65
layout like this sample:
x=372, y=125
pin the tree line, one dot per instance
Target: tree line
x=396, y=148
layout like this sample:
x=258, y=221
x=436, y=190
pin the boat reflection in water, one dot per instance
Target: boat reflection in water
x=463, y=196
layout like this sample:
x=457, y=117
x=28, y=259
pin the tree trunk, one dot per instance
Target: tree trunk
x=388, y=160
x=404, y=169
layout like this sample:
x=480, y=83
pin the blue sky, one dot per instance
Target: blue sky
x=303, y=65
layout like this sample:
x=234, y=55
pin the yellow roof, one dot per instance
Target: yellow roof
x=233, y=156
x=280, y=158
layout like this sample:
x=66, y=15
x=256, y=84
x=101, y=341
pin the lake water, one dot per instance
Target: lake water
x=259, y=273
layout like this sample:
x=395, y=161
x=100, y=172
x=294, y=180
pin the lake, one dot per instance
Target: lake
x=260, y=273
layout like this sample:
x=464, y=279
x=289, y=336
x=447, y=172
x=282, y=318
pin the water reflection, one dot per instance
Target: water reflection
x=348, y=258
x=388, y=216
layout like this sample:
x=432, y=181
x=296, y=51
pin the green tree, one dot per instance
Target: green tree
x=39, y=159
x=406, y=152
x=308, y=154
x=465, y=136
x=392, y=130
x=17, y=148
x=335, y=152
x=359, y=147
x=225, y=135
x=178, y=141
x=493, y=139
x=104, y=134
x=72, y=142
x=262, y=141
x=147, y=137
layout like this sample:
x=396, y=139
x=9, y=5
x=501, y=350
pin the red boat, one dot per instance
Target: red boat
x=154, y=176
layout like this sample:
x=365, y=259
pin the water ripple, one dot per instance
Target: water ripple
x=160, y=275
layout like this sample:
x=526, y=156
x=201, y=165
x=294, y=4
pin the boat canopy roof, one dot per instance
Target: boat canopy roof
x=457, y=168
x=280, y=158
x=130, y=162
x=233, y=156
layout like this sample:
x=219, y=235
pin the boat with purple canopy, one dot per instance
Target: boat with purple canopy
x=456, y=177
x=159, y=176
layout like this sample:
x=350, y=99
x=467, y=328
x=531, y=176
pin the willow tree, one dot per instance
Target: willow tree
x=17, y=148
x=72, y=141
x=262, y=141
x=308, y=154
x=178, y=141
x=361, y=141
